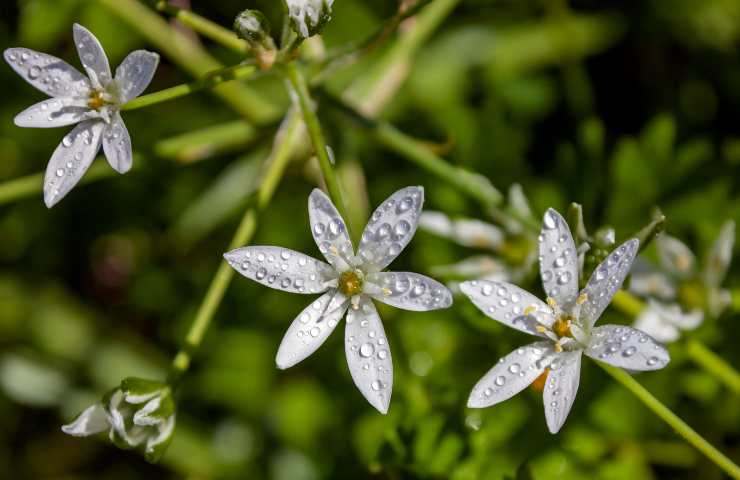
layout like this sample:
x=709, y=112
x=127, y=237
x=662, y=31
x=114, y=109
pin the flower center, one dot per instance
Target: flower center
x=350, y=282
x=561, y=327
x=96, y=100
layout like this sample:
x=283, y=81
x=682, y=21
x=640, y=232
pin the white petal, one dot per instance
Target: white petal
x=329, y=231
x=281, y=268
x=561, y=388
x=54, y=112
x=626, y=347
x=606, y=280
x=165, y=432
x=720, y=255
x=134, y=73
x=93, y=420
x=311, y=328
x=479, y=266
x=437, y=223
x=91, y=54
x=652, y=284
x=410, y=291
x=558, y=260
x=49, y=74
x=71, y=159
x=512, y=374
x=509, y=304
x=391, y=227
x=117, y=145
x=675, y=256
x=142, y=418
x=654, y=324
x=368, y=354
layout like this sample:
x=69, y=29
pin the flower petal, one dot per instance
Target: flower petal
x=391, y=227
x=626, y=347
x=93, y=420
x=511, y=374
x=720, y=255
x=281, y=268
x=71, y=159
x=558, y=260
x=675, y=257
x=606, y=280
x=410, y=291
x=54, y=112
x=561, y=388
x=311, y=328
x=329, y=231
x=466, y=232
x=91, y=55
x=51, y=75
x=368, y=354
x=135, y=73
x=157, y=444
x=117, y=145
x=652, y=322
x=509, y=304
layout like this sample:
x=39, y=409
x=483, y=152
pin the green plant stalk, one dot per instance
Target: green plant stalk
x=313, y=126
x=683, y=429
x=696, y=350
x=275, y=166
x=713, y=363
x=209, y=80
x=205, y=27
x=192, y=57
x=206, y=142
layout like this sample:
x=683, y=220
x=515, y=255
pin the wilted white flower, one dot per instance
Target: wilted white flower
x=308, y=16
x=138, y=414
x=348, y=279
x=565, y=322
x=664, y=317
x=93, y=102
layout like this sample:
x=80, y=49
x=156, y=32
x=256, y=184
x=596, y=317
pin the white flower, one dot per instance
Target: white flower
x=138, y=414
x=664, y=318
x=91, y=101
x=308, y=16
x=348, y=279
x=664, y=322
x=565, y=322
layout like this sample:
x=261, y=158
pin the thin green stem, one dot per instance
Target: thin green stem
x=192, y=57
x=713, y=363
x=209, y=80
x=307, y=105
x=681, y=427
x=205, y=27
x=275, y=166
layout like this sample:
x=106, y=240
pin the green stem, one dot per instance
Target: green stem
x=313, y=126
x=683, y=429
x=209, y=80
x=192, y=57
x=275, y=166
x=205, y=27
x=714, y=364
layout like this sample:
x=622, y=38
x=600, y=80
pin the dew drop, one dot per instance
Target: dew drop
x=629, y=352
x=367, y=350
x=500, y=381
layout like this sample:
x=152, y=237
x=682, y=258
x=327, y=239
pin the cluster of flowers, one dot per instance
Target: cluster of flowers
x=141, y=413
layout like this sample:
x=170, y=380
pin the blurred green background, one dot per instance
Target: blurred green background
x=620, y=106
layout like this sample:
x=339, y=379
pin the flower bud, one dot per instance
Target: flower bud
x=307, y=17
x=253, y=26
x=138, y=414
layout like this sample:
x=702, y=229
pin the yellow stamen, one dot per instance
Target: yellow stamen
x=350, y=283
x=540, y=329
x=582, y=299
x=561, y=327
x=530, y=309
x=96, y=100
x=387, y=292
x=558, y=347
x=551, y=301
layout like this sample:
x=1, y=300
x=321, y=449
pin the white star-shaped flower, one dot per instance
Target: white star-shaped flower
x=348, y=282
x=565, y=322
x=93, y=102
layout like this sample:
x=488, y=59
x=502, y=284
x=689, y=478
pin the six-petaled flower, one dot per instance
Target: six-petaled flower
x=348, y=283
x=565, y=323
x=93, y=102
